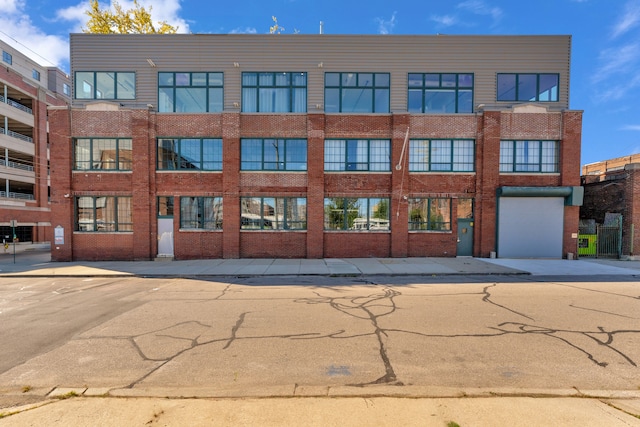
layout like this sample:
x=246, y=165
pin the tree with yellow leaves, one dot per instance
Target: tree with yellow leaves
x=133, y=21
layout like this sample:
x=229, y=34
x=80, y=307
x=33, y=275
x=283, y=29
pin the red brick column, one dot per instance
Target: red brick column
x=61, y=153
x=399, y=211
x=487, y=181
x=143, y=145
x=315, y=185
x=570, y=146
x=231, y=184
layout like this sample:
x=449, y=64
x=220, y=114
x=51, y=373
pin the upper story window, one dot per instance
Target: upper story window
x=105, y=85
x=273, y=154
x=103, y=213
x=356, y=92
x=273, y=213
x=434, y=93
x=201, y=213
x=66, y=89
x=102, y=154
x=442, y=155
x=529, y=156
x=189, y=154
x=6, y=57
x=274, y=92
x=528, y=87
x=356, y=214
x=357, y=155
x=35, y=74
x=190, y=92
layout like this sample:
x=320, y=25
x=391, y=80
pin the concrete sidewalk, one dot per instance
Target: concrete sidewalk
x=35, y=261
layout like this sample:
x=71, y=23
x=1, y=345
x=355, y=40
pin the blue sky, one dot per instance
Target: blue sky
x=605, y=80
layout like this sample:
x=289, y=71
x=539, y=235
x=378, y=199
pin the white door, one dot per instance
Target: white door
x=165, y=237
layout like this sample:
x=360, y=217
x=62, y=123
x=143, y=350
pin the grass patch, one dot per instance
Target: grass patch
x=67, y=395
x=453, y=424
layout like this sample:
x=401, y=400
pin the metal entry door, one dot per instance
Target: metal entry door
x=465, y=237
x=165, y=237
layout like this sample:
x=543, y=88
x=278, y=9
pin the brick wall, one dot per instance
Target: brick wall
x=144, y=183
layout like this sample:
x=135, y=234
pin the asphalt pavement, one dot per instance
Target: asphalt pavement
x=391, y=407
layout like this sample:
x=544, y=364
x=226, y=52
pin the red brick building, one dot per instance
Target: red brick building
x=613, y=187
x=26, y=90
x=228, y=146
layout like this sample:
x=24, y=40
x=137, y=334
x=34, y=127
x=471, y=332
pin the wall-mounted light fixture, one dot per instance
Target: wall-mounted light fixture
x=235, y=64
x=150, y=61
x=320, y=65
x=236, y=104
x=318, y=106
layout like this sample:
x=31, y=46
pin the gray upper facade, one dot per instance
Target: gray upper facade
x=484, y=57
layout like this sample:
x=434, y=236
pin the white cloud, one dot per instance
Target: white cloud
x=618, y=60
x=479, y=7
x=629, y=19
x=11, y=6
x=20, y=32
x=386, y=27
x=444, y=20
x=631, y=127
x=246, y=30
x=161, y=10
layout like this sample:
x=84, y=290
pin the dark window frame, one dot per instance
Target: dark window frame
x=261, y=222
x=281, y=158
x=346, y=216
x=419, y=223
x=346, y=163
x=94, y=87
x=117, y=225
x=291, y=87
x=93, y=162
x=208, y=86
x=516, y=88
x=180, y=162
x=424, y=88
x=200, y=222
x=538, y=165
x=450, y=165
x=342, y=87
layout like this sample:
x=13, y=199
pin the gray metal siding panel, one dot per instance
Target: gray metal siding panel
x=482, y=55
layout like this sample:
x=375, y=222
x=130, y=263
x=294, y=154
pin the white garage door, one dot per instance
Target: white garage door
x=530, y=227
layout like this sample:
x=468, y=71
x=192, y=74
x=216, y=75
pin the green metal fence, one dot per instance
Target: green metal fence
x=601, y=241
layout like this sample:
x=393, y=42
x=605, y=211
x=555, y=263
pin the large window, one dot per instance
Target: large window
x=529, y=156
x=102, y=154
x=441, y=155
x=201, y=213
x=104, y=213
x=357, y=155
x=528, y=87
x=356, y=214
x=189, y=154
x=429, y=214
x=273, y=154
x=273, y=213
x=190, y=92
x=6, y=57
x=274, y=92
x=356, y=92
x=105, y=85
x=434, y=93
